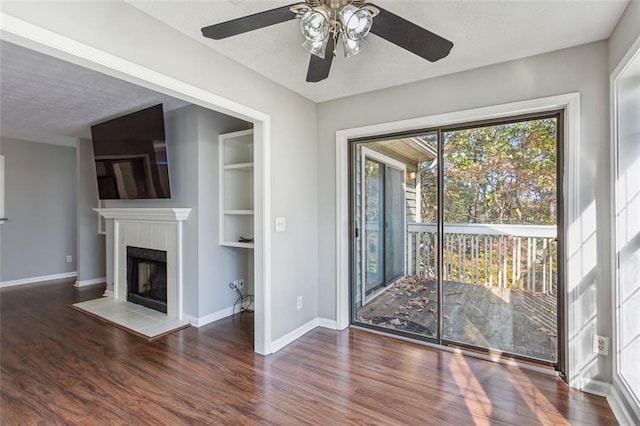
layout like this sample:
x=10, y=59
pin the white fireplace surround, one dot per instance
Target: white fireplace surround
x=151, y=228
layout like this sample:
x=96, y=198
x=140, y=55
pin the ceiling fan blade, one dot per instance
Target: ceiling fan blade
x=410, y=36
x=248, y=23
x=318, y=67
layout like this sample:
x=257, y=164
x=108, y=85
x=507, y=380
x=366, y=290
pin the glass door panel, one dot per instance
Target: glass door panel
x=500, y=254
x=395, y=257
x=374, y=226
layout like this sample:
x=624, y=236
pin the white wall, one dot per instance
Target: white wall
x=125, y=32
x=581, y=69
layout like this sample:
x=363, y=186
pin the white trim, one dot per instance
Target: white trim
x=178, y=214
x=32, y=280
x=616, y=400
x=293, y=335
x=208, y=319
x=37, y=38
x=570, y=102
x=342, y=228
x=327, y=323
x=262, y=235
x=93, y=281
x=192, y=320
x=615, y=397
x=596, y=387
x=621, y=391
x=180, y=268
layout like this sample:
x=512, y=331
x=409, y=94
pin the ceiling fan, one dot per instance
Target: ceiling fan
x=325, y=22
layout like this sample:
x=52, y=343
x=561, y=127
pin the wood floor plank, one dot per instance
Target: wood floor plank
x=59, y=366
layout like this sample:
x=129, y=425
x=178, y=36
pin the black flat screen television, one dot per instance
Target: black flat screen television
x=131, y=156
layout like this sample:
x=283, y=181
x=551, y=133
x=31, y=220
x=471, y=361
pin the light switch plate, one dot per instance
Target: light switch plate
x=280, y=224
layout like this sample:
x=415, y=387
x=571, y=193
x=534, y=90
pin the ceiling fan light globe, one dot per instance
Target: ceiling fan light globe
x=314, y=24
x=317, y=48
x=352, y=47
x=356, y=22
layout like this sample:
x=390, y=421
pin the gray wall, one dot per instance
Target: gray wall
x=581, y=69
x=145, y=41
x=192, y=148
x=90, y=244
x=218, y=265
x=40, y=202
x=624, y=34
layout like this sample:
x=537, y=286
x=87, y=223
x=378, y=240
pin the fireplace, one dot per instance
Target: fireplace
x=147, y=277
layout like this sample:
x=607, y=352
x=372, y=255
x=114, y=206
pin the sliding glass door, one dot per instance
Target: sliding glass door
x=456, y=235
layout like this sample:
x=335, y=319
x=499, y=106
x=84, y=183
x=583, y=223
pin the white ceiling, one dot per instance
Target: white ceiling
x=41, y=96
x=483, y=33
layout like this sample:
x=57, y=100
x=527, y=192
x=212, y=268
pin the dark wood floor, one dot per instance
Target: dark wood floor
x=59, y=366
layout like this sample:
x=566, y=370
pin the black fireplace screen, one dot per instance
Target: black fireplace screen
x=147, y=277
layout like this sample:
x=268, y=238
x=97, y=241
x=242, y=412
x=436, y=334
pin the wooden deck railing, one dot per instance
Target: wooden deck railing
x=511, y=256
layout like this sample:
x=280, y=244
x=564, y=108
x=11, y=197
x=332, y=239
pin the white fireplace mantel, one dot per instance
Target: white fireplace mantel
x=152, y=228
x=178, y=214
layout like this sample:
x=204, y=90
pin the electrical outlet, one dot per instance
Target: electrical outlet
x=299, y=302
x=69, y=259
x=600, y=345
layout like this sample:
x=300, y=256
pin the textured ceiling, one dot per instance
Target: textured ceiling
x=483, y=32
x=43, y=97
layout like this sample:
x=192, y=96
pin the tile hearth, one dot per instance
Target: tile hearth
x=135, y=318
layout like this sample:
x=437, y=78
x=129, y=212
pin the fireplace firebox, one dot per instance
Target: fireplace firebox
x=147, y=277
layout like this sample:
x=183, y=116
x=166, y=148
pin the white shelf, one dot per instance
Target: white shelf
x=243, y=167
x=238, y=212
x=236, y=244
x=236, y=188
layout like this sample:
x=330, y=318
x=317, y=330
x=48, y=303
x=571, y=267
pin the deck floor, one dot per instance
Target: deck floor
x=519, y=322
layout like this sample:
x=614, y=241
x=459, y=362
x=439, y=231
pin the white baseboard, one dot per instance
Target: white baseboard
x=192, y=320
x=290, y=337
x=92, y=281
x=614, y=398
x=327, y=323
x=616, y=401
x=32, y=280
x=208, y=319
x=596, y=387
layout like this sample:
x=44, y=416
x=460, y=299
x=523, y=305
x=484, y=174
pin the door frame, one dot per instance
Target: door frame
x=621, y=389
x=570, y=104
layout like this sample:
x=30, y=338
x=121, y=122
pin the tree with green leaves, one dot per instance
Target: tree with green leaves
x=503, y=174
